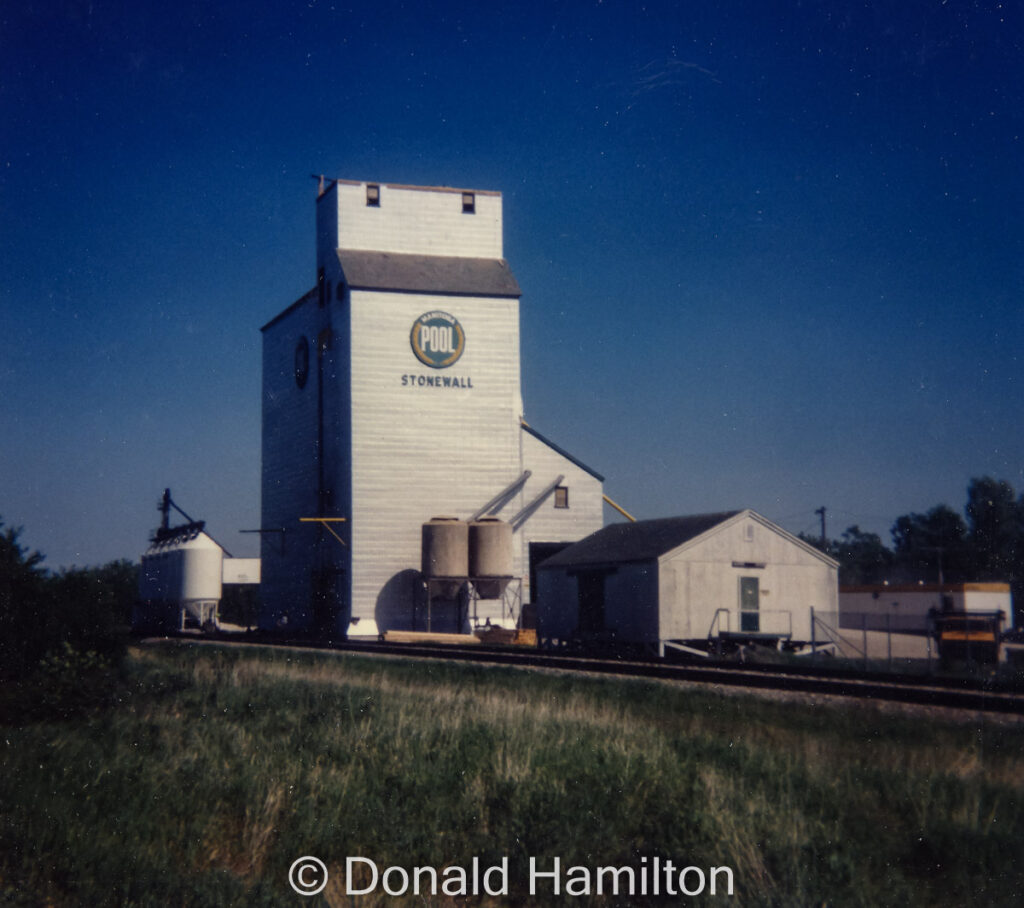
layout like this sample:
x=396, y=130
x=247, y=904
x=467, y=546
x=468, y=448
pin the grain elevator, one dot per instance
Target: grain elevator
x=401, y=487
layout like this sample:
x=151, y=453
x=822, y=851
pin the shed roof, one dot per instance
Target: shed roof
x=364, y=270
x=640, y=541
x=558, y=450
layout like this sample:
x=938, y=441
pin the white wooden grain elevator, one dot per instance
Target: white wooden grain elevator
x=393, y=426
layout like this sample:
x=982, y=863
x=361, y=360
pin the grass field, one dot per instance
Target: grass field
x=210, y=770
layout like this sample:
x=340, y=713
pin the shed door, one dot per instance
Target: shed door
x=591, y=601
x=750, y=595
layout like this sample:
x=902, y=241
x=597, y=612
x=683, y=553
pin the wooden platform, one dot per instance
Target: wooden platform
x=493, y=636
x=429, y=637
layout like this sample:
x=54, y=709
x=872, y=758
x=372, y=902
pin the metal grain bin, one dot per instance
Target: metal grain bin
x=490, y=555
x=445, y=550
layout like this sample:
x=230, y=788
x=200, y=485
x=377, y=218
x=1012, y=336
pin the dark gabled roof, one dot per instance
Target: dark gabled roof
x=644, y=540
x=308, y=296
x=547, y=441
x=427, y=274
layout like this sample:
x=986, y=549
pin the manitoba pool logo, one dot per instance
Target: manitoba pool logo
x=437, y=339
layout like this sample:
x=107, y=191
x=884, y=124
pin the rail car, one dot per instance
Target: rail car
x=969, y=636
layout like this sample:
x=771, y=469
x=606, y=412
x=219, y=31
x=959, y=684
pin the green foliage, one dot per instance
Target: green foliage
x=66, y=683
x=91, y=607
x=214, y=769
x=86, y=611
x=996, y=521
x=862, y=557
x=986, y=546
x=22, y=594
x=933, y=543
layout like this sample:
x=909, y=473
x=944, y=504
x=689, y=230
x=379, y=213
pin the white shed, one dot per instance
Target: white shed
x=652, y=582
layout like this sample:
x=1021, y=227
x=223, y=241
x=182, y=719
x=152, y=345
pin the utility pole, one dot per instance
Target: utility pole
x=824, y=537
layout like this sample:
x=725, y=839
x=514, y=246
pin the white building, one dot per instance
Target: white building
x=905, y=608
x=182, y=579
x=391, y=395
x=681, y=579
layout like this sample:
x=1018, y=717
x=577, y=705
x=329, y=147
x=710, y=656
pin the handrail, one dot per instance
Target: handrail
x=835, y=637
x=714, y=621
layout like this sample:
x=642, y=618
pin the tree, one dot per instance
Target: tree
x=933, y=546
x=862, y=557
x=90, y=608
x=996, y=530
x=827, y=546
x=86, y=609
x=22, y=592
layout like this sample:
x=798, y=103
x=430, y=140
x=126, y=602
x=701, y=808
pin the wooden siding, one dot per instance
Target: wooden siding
x=420, y=451
x=396, y=453
x=675, y=597
x=703, y=577
x=289, y=470
x=557, y=605
x=585, y=514
x=410, y=220
x=631, y=603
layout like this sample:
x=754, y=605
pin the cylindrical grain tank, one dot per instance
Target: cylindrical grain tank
x=201, y=570
x=445, y=551
x=490, y=555
x=180, y=580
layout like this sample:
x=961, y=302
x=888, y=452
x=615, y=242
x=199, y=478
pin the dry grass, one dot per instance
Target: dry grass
x=220, y=767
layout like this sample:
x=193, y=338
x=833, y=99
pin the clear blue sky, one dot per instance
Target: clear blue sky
x=771, y=253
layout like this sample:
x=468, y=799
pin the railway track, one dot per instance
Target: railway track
x=965, y=694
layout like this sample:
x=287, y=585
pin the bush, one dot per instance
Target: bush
x=22, y=592
x=86, y=609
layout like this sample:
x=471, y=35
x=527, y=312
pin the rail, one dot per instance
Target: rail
x=956, y=693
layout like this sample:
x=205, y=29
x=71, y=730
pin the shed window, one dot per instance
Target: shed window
x=469, y=203
x=561, y=496
x=373, y=195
